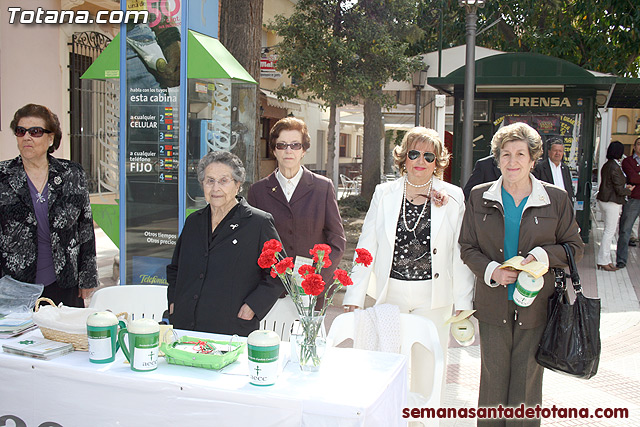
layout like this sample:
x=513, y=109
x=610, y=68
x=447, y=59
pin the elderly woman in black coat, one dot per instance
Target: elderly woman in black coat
x=215, y=283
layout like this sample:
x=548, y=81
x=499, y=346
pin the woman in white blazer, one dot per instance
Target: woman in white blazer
x=411, y=230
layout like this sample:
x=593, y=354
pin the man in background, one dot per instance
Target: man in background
x=631, y=209
x=553, y=170
x=485, y=170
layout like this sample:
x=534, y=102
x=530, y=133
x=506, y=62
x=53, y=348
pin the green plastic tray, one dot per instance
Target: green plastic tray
x=176, y=356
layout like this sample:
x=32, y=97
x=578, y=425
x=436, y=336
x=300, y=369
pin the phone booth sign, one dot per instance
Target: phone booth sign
x=182, y=94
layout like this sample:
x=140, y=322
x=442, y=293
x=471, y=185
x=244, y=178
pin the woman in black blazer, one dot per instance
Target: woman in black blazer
x=46, y=226
x=215, y=283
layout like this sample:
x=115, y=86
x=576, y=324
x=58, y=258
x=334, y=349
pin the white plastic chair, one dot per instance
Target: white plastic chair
x=413, y=329
x=281, y=318
x=148, y=301
x=349, y=186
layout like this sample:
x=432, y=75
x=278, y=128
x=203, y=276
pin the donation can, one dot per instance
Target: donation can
x=263, y=348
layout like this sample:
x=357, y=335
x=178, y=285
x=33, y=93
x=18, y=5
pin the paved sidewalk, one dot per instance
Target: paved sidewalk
x=617, y=383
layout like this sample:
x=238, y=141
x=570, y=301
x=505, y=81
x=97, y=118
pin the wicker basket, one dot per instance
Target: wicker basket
x=79, y=340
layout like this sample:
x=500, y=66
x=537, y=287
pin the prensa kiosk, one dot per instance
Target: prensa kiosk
x=559, y=99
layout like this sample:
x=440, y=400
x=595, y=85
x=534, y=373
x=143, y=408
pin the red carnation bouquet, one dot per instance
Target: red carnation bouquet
x=306, y=295
x=312, y=283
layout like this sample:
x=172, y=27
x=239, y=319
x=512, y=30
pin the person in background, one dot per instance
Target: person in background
x=611, y=197
x=303, y=204
x=515, y=215
x=215, y=283
x=411, y=230
x=46, y=225
x=485, y=170
x=635, y=232
x=553, y=170
x=631, y=209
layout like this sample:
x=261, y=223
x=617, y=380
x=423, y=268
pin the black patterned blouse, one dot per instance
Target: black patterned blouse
x=412, y=251
x=70, y=222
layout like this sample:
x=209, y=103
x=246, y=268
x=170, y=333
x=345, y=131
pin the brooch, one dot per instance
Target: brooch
x=233, y=226
x=274, y=189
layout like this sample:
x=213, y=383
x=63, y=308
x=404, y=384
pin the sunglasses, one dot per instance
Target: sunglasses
x=35, y=132
x=414, y=154
x=283, y=145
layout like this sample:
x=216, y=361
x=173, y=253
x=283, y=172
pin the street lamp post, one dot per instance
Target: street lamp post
x=471, y=7
x=419, y=81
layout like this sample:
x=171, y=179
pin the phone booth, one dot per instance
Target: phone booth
x=557, y=98
x=182, y=94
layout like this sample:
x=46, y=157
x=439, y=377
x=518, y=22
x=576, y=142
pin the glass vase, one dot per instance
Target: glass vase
x=311, y=343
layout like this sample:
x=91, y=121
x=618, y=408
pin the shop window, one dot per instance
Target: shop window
x=622, y=126
x=344, y=145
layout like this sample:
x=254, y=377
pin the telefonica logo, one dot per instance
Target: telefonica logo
x=41, y=16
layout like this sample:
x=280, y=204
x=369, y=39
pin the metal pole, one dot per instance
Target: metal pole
x=440, y=38
x=418, y=90
x=469, y=92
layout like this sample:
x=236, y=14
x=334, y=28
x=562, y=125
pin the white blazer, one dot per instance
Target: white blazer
x=452, y=280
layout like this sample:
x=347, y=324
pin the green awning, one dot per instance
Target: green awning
x=524, y=69
x=207, y=58
x=107, y=64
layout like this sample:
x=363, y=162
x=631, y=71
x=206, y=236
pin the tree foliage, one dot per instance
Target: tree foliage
x=343, y=51
x=599, y=35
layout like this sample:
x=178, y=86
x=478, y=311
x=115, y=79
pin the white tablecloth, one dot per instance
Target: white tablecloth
x=352, y=388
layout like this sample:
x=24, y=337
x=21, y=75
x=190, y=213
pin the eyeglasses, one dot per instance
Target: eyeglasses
x=35, y=132
x=283, y=145
x=414, y=154
x=222, y=182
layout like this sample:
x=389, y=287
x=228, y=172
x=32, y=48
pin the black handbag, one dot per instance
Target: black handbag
x=570, y=342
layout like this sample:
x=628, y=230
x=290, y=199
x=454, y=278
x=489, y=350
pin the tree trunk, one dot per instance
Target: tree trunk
x=241, y=34
x=331, y=141
x=373, y=141
x=389, y=143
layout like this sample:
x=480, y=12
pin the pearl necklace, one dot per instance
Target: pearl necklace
x=417, y=186
x=404, y=204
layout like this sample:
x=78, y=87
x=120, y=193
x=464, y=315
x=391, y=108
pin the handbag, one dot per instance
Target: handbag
x=570, y=343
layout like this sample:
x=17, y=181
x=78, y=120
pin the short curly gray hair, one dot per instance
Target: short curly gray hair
x=226, y=158
x=517, y=132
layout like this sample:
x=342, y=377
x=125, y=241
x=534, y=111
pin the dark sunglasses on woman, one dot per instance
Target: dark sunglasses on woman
x=414, y=154
x=35, y=132
x=283, y=145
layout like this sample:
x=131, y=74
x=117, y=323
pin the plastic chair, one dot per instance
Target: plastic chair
x=349, y=185
x=413, y=329
x=149, y=301
x=281, y=318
